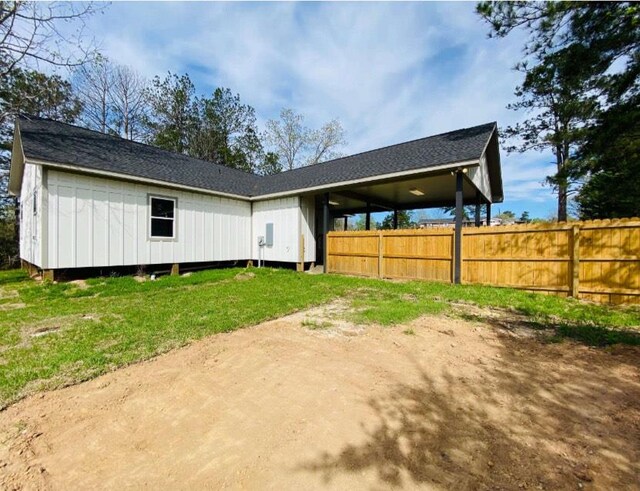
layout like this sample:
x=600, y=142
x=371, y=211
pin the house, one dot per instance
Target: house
x=93, y=200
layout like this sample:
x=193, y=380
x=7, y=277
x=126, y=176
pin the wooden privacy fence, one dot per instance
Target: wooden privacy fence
x=596, y=260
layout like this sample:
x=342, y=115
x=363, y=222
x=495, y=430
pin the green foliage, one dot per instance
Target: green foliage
x=468, y=211
x=8, y=240
x=226, y=132
x=173, y=114
x=612, y=158
x=552, y=95
x=271, y=165
x=507, y=215
x=35, y=94
x=405, y=220
x=219, y=129
x=525, y=218
x=584, y=93
x=53, y=334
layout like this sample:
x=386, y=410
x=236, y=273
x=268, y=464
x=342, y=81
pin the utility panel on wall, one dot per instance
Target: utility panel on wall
x=269, y=235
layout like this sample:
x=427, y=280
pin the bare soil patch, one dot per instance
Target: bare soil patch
x=455, y=405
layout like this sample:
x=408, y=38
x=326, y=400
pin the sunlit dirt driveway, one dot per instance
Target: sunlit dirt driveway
x=439, y=403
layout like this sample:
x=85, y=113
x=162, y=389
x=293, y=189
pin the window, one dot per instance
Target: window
x=162, y=217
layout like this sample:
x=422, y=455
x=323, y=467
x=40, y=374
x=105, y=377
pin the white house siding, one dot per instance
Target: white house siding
x=285, y=215
x=480, y=177
x=307, y=223
x=30, y=213
x=97, y=222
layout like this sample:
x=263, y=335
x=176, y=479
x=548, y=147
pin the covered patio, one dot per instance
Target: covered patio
x=457, y=183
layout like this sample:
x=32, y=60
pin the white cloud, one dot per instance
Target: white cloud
x=389, y=72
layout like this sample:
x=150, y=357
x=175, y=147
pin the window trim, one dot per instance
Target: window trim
x=174, y=237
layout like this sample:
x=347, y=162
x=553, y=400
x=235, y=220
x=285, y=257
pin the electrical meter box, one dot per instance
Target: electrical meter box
x=269, y=235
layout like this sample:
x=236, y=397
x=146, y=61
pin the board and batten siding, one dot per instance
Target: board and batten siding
x=284, y=213
x=97, y=222
x=30, y=215
x=480, y=177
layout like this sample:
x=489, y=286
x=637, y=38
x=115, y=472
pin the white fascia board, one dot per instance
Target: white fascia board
x=16, y=169
x=365, y=180
x=127, y=177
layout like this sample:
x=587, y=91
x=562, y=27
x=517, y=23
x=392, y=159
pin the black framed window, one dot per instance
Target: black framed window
x=163, y=217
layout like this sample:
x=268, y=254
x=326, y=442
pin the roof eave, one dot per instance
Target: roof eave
x=16, y=170
x=364, y=180
x=492, y=152
x=132, y=178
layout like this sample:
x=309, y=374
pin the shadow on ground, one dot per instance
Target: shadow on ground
x=538, y=416
x=549, y=330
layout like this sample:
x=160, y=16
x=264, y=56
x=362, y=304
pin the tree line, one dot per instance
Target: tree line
x=168, y=113
x=108, y=97
x=580, y=94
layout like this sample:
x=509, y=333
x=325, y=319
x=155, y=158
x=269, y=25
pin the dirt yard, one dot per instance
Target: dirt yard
x=308, y=401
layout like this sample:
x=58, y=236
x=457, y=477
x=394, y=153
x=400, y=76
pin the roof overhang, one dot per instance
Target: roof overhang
x=372, y=180
x=431, y=190
x=492, y=154
x=131, y=178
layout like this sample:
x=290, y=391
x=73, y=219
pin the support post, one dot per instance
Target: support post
x=488, y=214
x=478, y=209
x=300, y=265
x=575, y=261
x=48, y=275
x=325, y=229
x=250, y=263
x=367, y=222
x=346, y=223
x=395, y=219
x=175, y=269
x=457, y=253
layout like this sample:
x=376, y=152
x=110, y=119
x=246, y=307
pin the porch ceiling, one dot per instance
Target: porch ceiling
x=439, y=190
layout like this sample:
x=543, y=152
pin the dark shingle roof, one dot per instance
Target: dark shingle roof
x=62, y=143
x=452, y=147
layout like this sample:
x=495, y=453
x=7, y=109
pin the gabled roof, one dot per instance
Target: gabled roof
x=447, y=148
x=60, y=143
x=51, y=142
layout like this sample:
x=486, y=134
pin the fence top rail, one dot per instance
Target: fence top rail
x=393, y=233
x=519, y=228
x=354, y=233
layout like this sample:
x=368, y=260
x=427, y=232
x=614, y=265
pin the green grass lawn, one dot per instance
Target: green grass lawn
x=57, y=334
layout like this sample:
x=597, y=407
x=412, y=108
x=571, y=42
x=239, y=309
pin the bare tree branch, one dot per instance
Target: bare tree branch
x=33, y=31
x=298, y=145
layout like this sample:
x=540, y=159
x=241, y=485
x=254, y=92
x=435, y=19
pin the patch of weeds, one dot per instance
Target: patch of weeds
x=409, y=332
x=314, y=325
x=392, y=310
x=597, y=335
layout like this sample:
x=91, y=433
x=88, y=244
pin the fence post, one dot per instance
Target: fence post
x=575, y=261
x=380, y=255
x=453, y=254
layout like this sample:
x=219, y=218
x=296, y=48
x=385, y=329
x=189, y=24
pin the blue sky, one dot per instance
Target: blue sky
x=390, y=72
